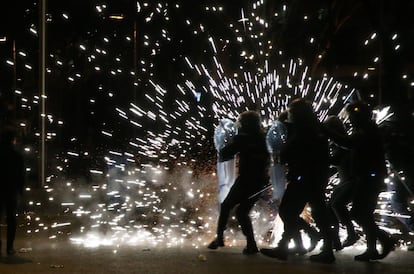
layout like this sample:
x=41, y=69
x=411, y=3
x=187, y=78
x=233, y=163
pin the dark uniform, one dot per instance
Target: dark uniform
x=342, y=193
x=306, y=155
x=250, y=145
x=368, y=167
x=12, y=182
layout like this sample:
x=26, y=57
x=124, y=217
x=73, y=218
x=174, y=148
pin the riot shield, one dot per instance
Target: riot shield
x=275, y=138
x=226, y=170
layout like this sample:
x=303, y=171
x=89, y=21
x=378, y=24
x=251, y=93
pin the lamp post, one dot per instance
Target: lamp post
x=42, y=89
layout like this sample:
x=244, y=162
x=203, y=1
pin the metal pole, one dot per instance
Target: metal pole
x=381, y=51
x=135, y=60
x=14, y=81
x=42, y=70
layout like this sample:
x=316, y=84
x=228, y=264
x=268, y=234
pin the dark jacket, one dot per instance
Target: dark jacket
x=254, y=158
x=367, y=151
x=306, y=154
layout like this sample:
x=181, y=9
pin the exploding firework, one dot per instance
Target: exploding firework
x=134, y=97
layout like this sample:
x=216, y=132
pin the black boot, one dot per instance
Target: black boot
x=216, y=243
x=10, y=248
x=368, y=255
x=280, y=252
x=277, y=252
x=11, y=251
x=250, y=249
x=350, y=240
x=388, y=245
x=325, y=257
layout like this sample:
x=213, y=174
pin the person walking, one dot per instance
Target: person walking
x=306, y=154
x=368, y=166
x=250, y=146
x=341, y=195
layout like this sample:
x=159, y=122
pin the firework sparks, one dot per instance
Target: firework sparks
x=151, y=179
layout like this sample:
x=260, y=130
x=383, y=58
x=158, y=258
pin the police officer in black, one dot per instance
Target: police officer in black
x=369, y=169
x=12, y=181
x=341, y=195
x=306, y=154
x=250, y=145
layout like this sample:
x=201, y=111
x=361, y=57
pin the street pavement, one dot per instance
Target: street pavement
x=43, y=255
